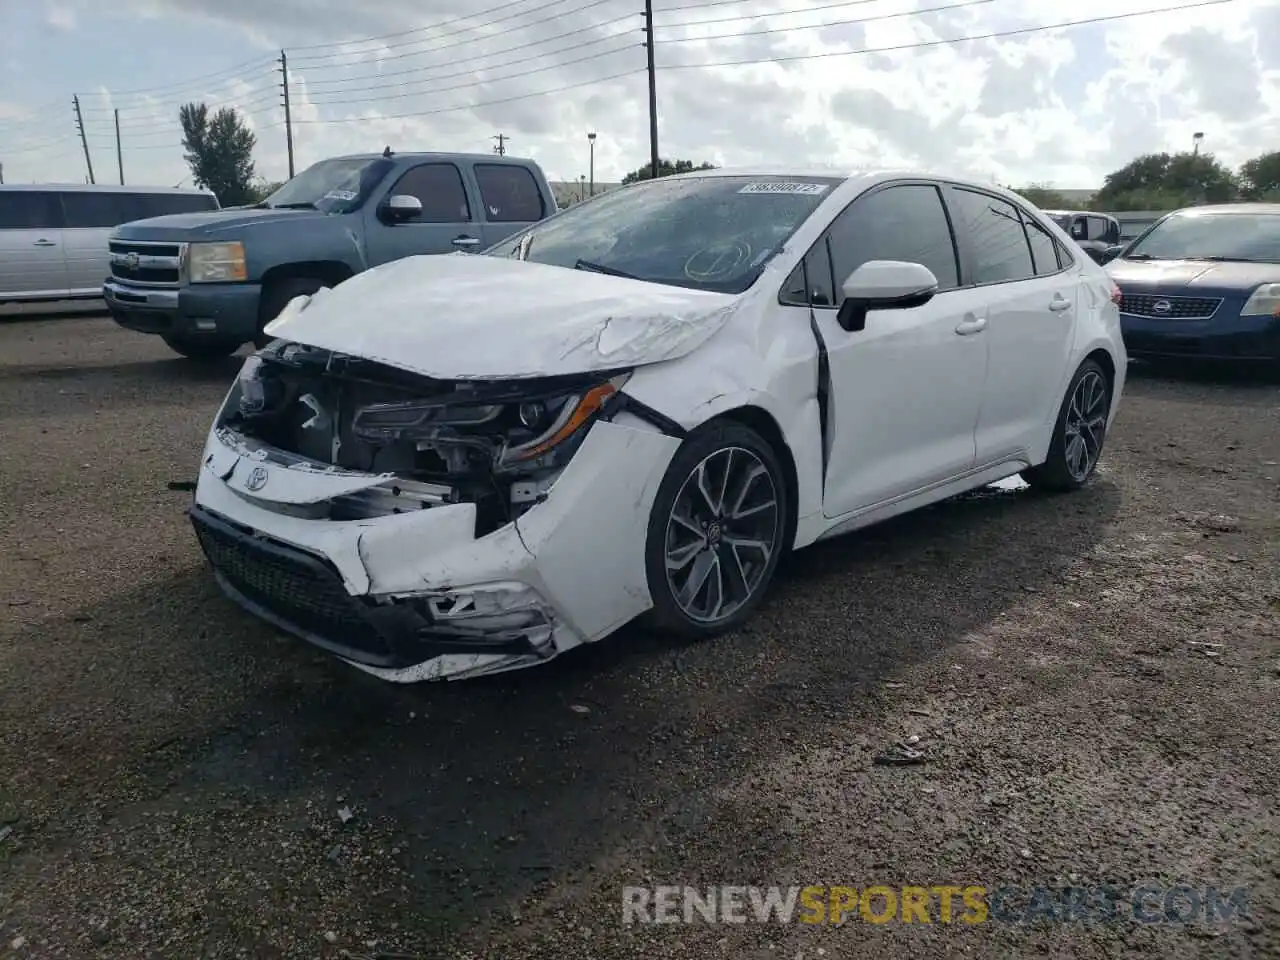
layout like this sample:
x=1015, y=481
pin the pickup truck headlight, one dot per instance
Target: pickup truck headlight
x=216, y=262
x=1265, y=302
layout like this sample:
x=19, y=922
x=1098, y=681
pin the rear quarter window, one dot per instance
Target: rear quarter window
x=30, y=210
x=510, y=193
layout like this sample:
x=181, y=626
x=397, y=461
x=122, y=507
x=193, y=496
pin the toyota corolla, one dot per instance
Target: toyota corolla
x=456, y=465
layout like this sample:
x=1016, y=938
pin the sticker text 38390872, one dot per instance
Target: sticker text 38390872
x=785, y=186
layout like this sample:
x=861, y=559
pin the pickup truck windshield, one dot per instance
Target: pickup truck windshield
x=331, y=186
x=1247, y=237
x=710, y=233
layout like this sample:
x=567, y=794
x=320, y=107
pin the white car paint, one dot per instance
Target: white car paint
x=925, y=403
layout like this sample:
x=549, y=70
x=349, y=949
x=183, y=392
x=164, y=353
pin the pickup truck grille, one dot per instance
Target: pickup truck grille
x=146, y=264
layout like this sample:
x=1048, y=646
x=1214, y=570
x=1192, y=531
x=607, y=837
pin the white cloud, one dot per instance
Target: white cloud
x=60, y=19
x=1062, y=107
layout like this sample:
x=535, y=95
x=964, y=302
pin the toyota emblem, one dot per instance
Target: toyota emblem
x=1162, y=306
x=257, y=479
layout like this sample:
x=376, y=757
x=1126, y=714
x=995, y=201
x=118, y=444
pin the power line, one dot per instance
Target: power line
x=829, y=23
x=458, y=43
x=775, y=13
x=522, y=46
x=268, y=63
x=994, y=35
x=405, y=33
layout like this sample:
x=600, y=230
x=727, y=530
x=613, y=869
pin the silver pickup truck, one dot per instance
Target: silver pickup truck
x=208, y=283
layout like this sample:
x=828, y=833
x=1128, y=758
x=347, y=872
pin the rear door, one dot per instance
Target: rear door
x=512, y=199
x=447, y=222
x=32, y=264
x=1029, y=284
x=90, y=218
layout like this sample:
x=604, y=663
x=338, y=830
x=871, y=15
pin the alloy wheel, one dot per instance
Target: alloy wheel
x=721, y=533
x=1085, y=425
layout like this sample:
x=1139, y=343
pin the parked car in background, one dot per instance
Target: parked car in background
x=209, y=283
x=53, y=238
x=450, y=466
x=1092, y=232
x=1204, y=282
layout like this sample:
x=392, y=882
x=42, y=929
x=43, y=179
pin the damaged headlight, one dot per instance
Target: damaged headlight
x=518, y=432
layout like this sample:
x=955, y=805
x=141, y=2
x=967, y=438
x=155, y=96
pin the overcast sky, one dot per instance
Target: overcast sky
x=1061, y=107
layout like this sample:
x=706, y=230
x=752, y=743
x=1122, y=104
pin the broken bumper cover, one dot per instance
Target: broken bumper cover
x=418, y=596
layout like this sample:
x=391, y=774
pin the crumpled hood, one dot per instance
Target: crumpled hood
x=1196, y=274
x=475, y=317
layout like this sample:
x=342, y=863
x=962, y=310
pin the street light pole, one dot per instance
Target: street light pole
x=591, y=145
x=1195, y=141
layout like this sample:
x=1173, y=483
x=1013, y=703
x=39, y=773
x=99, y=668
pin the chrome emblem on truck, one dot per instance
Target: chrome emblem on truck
x=257, y=479
x=1162, y=306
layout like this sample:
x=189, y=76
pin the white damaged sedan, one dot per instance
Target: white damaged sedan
x=456, y=465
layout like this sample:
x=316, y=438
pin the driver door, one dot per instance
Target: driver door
x=446, y=224
x=907, y=389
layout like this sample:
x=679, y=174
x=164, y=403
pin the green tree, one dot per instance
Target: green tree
x=218, y=148
x=665, y=169
x=1046, y=198
x=1260, y=177
x=1163, y=181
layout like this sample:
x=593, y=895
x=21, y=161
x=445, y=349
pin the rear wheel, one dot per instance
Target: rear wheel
x=1079, y=433
x=277, y=296
x=201, y=349
x=716, y=531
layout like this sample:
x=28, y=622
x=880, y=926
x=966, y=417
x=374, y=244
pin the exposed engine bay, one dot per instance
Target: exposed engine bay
x=497, y=444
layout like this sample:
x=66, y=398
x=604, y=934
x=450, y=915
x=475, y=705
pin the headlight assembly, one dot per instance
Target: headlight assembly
x=216, y=262
x=520, y=432
x=1265, y=302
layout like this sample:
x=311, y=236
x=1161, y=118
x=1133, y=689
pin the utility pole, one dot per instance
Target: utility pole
x=1, y=173
x=84, y=141
x=288, y=116
x=653, y=87
x=591, y=145
x=501, y=148
x=119, y=152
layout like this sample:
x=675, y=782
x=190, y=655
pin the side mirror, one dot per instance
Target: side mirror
x=1111, y=252
x=884, y=285
x=401, y=207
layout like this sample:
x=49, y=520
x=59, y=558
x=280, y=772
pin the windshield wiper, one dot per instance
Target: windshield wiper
x=601, y=268
x=296, y=205
x=1142, y=256
x=1232, y=259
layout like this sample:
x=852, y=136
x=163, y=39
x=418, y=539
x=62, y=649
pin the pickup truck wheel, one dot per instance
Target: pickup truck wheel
x=277, y=296
x=204, y=349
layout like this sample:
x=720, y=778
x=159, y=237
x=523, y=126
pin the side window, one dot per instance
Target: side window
x=29, y=210
x=1044, y=253
x=897, y=223
x=1065, y=259
x=86, y=209
x=818, y=266
x=994, y=231
x=509, y=193
x=438, y=186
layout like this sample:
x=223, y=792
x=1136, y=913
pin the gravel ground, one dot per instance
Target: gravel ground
x=1093, y=679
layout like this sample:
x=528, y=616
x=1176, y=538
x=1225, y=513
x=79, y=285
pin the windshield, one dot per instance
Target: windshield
x=331, y=186
x=1212, y=236
x=708, y=233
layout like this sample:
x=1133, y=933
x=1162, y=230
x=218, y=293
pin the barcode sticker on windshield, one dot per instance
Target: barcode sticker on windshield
x=343, y=195
x=785, y=186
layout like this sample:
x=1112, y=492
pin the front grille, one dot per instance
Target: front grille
x=150, y=264
x=296, y=587
x=1179, y=308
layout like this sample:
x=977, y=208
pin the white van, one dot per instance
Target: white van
x=53, y=237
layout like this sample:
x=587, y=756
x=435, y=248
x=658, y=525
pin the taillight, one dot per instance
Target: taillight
x=1116, y=295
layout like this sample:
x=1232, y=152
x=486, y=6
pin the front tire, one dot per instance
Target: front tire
x=1079, y=433
x=716, y=531
x=202, y=350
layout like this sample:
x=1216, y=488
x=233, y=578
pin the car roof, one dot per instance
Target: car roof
x=1243, y=208
x=433, y=155
x=98, y=188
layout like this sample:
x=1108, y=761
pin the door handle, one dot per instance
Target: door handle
x=1058, y=304
x=971, y=325
x=465, y=241
x=44, y=243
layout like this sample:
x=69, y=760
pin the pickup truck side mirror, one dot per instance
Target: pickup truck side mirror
x=401, y=207
x=1111, y=252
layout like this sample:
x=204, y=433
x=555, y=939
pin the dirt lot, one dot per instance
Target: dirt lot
x=1093, y=679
